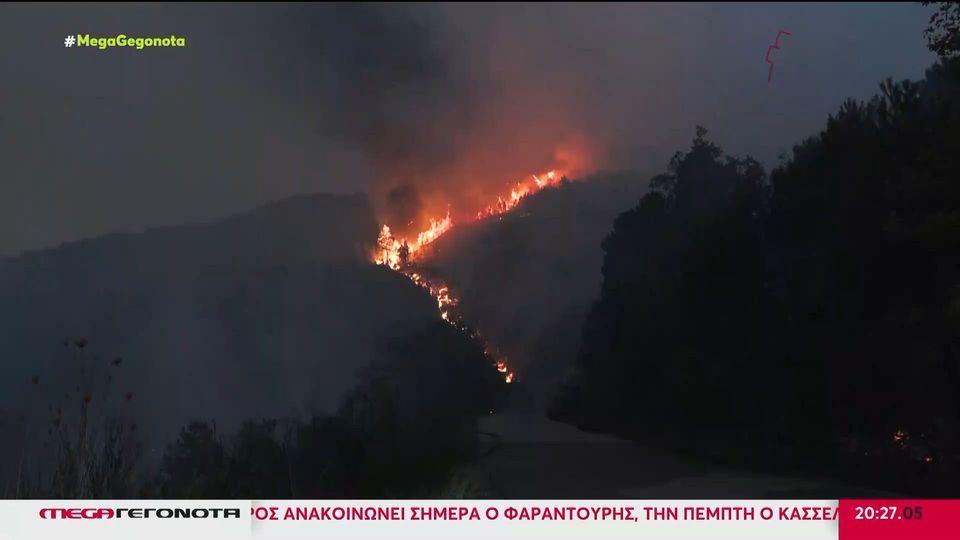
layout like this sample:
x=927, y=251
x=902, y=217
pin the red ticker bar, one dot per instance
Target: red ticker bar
x=899, y=519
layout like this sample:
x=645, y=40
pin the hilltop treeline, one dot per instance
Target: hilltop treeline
x=809, y=316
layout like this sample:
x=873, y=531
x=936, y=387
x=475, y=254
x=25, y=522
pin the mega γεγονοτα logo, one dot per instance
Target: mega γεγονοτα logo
x=139, y=513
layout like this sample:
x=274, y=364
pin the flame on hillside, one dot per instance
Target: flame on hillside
x=399, y=253
x=519, y=192
x=396, y=252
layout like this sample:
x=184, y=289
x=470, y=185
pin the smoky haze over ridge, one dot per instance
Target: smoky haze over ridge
x=429, y=109
x=453, y=101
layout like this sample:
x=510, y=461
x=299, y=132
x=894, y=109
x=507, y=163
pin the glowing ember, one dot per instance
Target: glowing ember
x=900, y=436
x=398, y=253
x=446, y=305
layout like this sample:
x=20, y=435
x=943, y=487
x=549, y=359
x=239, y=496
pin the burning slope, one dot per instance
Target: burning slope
x=401, y=254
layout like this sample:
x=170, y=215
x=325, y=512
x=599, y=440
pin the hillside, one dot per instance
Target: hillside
x=267, y=313
x=527, y=278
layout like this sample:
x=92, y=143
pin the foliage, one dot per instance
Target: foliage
x=95, y=451
x=943, y=34
x=400, y=433
x=680, y=275
x=816, y=311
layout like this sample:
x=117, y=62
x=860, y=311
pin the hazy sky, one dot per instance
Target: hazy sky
x=272, y=100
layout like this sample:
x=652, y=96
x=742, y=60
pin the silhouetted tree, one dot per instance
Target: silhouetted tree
x=943, y=34
x=400, y=433
x=682, y=299
x=195, y=466
x=820, y=311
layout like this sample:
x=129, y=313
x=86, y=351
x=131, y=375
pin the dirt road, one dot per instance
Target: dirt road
x=540, y=459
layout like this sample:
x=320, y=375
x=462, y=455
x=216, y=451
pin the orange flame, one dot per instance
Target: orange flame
x=397, y=253
x=507, y=374
x=523, y=189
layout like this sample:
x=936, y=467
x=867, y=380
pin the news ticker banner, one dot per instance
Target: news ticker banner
x=483, y=519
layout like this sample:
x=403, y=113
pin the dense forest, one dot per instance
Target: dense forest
x=805, y=318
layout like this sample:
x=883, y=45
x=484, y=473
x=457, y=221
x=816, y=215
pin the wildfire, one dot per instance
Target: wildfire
x=522, y=189
x=446, y=305
x=507, y=374
x=398, y=253
x=395, y=252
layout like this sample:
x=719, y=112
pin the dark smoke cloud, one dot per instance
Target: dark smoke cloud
x=419, y=95
x=402, y=207
x=271, y=100
x=451, y=102
x=389, y=84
